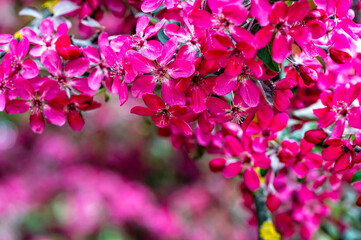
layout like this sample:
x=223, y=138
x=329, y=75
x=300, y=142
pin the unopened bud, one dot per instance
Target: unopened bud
x=339, y=56
x=217, y=164
x=307, y=74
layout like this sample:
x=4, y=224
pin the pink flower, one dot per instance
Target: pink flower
x=339, y=155
x=338, y=107
x=163, y=115
x=47, y=39
x=119, y=70
x=74, y=105
x=283, y=93
x=163, y=70
x=224, y=15
x=300, y=156
x=285, y=20
x=66, y=74
x=38, y=101
x=14, y=64
x=151, y=49
x=267, y=126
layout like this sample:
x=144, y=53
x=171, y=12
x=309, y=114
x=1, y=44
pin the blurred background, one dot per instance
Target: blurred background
x=116, y=179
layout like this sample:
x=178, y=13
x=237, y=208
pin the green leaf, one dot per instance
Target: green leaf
x=313, y=5
x=162, y=37
x=265, y=54
x=268, y=91
x=320, y=59
x=356, y=177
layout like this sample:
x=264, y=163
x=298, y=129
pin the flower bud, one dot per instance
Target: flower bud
x=307, y=74
x=217, y=164
x=339, y=56
x=315, y=136
x=273, y=202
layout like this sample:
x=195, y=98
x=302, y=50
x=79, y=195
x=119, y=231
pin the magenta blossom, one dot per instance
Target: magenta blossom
x=14, y=64
x=163, y=70
x=163, y=115
x=66, y=74
x=47, y=39
x=38, y=101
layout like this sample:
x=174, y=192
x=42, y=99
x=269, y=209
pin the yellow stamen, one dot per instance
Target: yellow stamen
x=268, y=231
x=261, y=179
x=50, y=5
x=18, y=35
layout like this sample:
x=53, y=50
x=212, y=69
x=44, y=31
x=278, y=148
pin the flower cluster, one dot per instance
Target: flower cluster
x=273, y=89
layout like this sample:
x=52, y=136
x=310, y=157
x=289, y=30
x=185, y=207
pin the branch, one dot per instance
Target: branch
x=266, y=229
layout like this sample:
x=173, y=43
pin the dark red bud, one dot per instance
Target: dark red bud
x=273, y=202
x=307, y=74
x=339, y=56
x=217, y=164
x=315, y=136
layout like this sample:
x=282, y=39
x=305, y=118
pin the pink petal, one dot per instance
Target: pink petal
x=260, y=144
x=251, y=179
x=123, y=93
x=51, y=60
x=37, y=51
x=232, y=146
x=138, y=62
x=264, y=36
x=153, y=101
x=298, y=11
x=91, y=53
x=48, y=90
x=76, y=67
x=142, y=111
x=313, y=160
x=217, y=106
x=142, y=23
x=279, y=122
x=249, y=92
x=180, y=69
x=281, y=100
x=168, y=51
x=22, y=48
x=95, y=79
x=281, y=47
x=143, y=84
x=300, y=169
x=197, y=100
x=55, y=116
x=152, y=49
x=331, y=153
x=171, y=95
x=5, y=38
x=75, y=120
x=31, y=36
x=151, y=5
x=343, y=162
x=201, y=19
x=3, y=100
x=37, y=122
x=46, y=28
x=235, y=13
x=232, y=170
x=261, y=9
x=81, y=85
x=30, y=68
x=17, y=106
x=181, y=125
